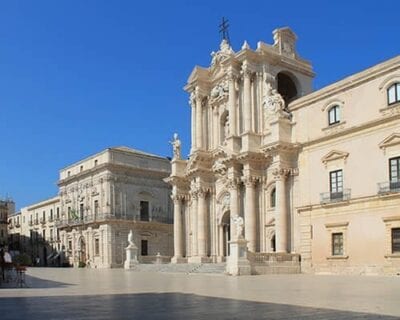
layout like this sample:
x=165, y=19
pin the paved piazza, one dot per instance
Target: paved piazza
x=119, y=294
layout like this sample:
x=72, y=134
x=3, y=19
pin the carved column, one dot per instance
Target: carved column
x=215, y=137
x=232, y=103
x=250, y=222
x=193, y=127
x=177, y=227
x=246, y=97
x=281, y=210
x=199, y=120
x=233, y=203
x=201, y=224
x=193, y=212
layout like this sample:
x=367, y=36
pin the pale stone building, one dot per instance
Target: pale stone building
x=311, y=173
x=33, y=231
x=105, y=196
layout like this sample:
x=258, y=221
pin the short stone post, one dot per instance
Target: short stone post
x=238, y=264
x=158, y=258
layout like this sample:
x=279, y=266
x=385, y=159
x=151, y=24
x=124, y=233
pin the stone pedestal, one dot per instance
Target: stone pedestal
x=199, y=259
x=131, y=257
x=238, y=264
x=179, y=260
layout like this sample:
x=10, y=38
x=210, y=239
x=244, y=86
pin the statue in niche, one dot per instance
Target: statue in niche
x=176, y=146
x=238, y=221
x=220, y=90
x=226, y=128
x=273, y=102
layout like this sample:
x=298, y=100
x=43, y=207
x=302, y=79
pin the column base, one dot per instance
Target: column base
x=233, y=143
x=199, y=259
x=179, y=260
x=250, y=141
x=221, y=259
x=238, y=264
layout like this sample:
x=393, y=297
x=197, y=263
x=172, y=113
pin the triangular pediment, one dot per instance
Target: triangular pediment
x=198, y=74
x=334, y=155
x=392, y=140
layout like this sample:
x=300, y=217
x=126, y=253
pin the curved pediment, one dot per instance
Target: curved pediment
x=334, y=155
x=393, y=139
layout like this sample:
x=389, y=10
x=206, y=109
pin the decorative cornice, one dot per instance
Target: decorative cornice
x=334, y=155
x=393, y=139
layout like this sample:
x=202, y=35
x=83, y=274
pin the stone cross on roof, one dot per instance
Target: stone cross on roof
x=223, y=29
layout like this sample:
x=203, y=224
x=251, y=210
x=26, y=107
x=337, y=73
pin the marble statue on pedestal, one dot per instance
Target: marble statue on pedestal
x=176, y=145
x=131, y=253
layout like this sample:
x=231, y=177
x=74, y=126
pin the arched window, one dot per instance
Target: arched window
x=393, y=93
x=272, y=198
x=334, y=115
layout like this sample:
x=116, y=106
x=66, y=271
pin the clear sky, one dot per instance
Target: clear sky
x=78, y=76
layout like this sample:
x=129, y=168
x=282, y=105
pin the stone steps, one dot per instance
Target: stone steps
x=188, y=268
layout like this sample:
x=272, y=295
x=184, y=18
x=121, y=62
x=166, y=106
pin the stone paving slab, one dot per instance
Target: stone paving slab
x=162, y=306
x=53, y=292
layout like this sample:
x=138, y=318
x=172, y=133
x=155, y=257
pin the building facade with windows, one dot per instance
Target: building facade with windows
x=33, y=231
x=105, y=196
x=311, y=173
x=7, y=208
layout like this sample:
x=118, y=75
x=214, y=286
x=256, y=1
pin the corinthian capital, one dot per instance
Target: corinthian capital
x=280, y=173
x=250, y=181
x=246, y=71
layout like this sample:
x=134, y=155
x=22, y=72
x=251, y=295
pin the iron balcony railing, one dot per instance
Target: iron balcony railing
x=332, y=197
x=87, y=219
x=388, y=187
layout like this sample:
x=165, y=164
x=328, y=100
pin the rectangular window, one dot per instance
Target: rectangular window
x=144, y=210
x=392, y=94
x=51, y=234
x=44, y=234
x=334, y=115
x=336, y=184
x=58, y=234
x=69, y=212
x=70, y=245
x=394, y=173
x=96, y=206
x=396, y=240
x=96, y=246
x=144, y=247
x=51, y=214
x=81, y=211
x=337, y=244
x=58, y=213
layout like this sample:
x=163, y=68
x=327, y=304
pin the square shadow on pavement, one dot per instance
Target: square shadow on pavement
x=162, y=306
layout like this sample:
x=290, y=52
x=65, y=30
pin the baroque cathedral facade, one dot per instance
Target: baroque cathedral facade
x=310, y=173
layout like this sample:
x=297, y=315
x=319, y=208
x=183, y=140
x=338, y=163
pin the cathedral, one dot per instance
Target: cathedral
x=310, y=173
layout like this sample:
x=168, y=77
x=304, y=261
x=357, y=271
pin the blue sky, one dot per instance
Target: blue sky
x=80, y=76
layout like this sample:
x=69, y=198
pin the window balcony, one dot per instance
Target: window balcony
x=388, y=187
x=30, y=223
x=10, y=226
x=333, y=197
x=42, y=220
x=36, y=221
x=17, y=225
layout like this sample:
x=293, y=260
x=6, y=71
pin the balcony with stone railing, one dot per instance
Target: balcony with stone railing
x=334, y=197
x=30, y=223
x=97, y=218
x=36, y=221
x=389, y=187
x=42, y=221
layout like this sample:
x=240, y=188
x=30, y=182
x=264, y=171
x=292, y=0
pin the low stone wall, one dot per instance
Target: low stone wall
x=274, y=263
x=154, y=259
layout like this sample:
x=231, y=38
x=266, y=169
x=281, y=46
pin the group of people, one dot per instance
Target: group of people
x=6, y=262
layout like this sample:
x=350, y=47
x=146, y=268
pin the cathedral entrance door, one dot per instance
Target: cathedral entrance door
x=226, y=232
